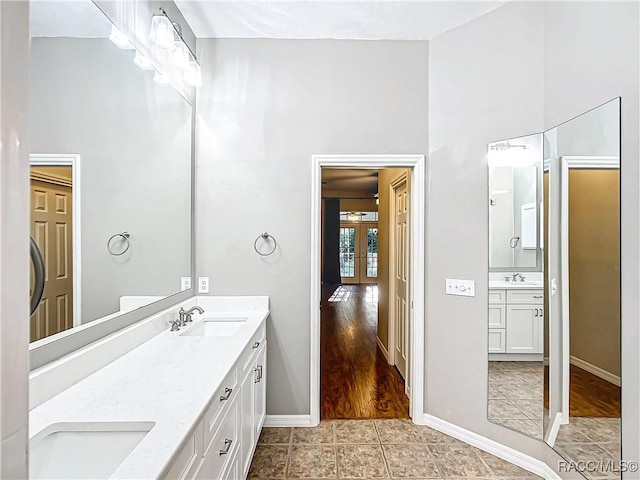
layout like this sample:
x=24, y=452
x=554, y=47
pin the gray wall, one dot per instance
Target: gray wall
x=265, y=108
x=134, y=139
x=14, y=243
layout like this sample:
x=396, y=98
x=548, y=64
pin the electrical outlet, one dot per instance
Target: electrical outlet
x=185, y=283
x=466, y=288
x=203, y=284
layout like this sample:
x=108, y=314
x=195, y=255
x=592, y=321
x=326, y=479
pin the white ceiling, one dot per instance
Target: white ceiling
x=309, y=19
x=76, y=18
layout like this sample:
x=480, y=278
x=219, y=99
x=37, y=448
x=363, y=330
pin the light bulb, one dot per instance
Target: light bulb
x=119, y=39
x=160, y=79
x=180, y=55
x=141, y=61
x=193, y=75
x=162, y=32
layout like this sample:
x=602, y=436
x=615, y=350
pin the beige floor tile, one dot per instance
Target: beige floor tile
x=411, y=460
x=275, y=436
x=531, y=408
x=323, y=433
x=503, y=409
x=459, y=461
x=361, y=461
x=357, y=432
x=503, y=469
x=398, y=431
x=312, y=461
x=269, y=462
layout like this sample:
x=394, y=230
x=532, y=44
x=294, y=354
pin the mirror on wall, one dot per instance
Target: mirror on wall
x=584, y=393
x=110, y=172
x=554, y=288
x=516, y=309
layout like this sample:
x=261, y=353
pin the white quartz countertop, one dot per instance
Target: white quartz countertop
x=168, y=380
x=501, y=284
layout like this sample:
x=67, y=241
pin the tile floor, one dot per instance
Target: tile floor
x=587, y=439
x=516, y=396
x=373, y=449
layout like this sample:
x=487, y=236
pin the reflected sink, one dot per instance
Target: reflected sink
x=216, y=327
x=503, y=284
x=83, y=450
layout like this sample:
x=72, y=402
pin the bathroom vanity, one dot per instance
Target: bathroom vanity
x=516, y=320
x=182, y=404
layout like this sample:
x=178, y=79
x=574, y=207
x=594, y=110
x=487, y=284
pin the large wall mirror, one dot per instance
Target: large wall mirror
x=110, y=172
x=554, y=328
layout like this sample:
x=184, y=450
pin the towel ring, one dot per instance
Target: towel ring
x=265, y=236
x=125, y=238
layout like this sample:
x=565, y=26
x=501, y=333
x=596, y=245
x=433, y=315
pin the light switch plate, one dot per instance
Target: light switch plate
x=465, y=288
x=203, y=284
x=185, y=283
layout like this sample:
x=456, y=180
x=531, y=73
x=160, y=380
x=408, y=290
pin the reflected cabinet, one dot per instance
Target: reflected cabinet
x=554, y=287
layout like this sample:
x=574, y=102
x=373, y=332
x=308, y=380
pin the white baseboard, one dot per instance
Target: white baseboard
x=383, y=349
x=287, y=421
x=597, y=371
x=515, y=357
x=490, y=446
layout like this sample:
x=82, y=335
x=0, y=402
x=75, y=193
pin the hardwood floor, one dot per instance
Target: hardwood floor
x=356, y=380
x=589, y=395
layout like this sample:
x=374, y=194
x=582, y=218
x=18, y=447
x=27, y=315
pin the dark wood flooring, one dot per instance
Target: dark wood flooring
x=589, y=395
x=356, y=380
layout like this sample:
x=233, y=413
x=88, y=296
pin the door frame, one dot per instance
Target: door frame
x=391, y=331
x=568, y=162
x=417, y=163
x=73, y=161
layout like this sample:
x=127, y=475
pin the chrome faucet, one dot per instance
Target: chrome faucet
x=515, y=277
x=185, y=316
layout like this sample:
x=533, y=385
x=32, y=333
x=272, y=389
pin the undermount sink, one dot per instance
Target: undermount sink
x=215, y=327
x=83, y=450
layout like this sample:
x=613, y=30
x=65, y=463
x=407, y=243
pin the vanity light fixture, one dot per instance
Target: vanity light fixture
x=167, y=35
x=119, y=39
x=141, y=61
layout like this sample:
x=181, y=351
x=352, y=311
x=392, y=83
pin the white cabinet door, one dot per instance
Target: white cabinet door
x=524, y=328
x=497, y=340
x=247, y=432
x=260, y=391
x=497, y=316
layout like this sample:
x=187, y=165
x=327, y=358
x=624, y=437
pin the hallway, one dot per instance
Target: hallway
x=356, y=380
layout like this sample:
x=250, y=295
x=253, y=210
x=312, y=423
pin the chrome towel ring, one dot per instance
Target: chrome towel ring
x=124, y=239
x=265, y=236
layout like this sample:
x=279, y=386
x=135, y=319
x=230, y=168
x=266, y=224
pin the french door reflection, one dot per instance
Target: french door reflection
x=359, y=253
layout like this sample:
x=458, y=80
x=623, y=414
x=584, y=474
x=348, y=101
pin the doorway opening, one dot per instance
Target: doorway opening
x=367, y=327
x=55, y=228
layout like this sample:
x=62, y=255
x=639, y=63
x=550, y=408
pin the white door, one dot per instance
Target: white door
x=400, y=224
x=524, y=324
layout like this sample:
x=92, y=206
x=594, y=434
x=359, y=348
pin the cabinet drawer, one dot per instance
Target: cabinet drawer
x=223, y=447
x=497, y=296
x=497, y=340
x=188, y=461
x=531, y=297
x=224, y=396
x=251, y=351
x=497, y=316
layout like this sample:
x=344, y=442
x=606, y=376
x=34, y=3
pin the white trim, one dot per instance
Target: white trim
x=288, y=421
x=509, y=454
x=516, y=357
x=383, y=349
x=597, y=371
x=72, y=160
x=417, y=282
x=554, y=429
x=567, y=162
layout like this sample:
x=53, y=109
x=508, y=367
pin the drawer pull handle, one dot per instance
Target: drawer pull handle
x=256, y=345
x=227, y=446
x=537, y=296
x=258, y=370
x=227, y=391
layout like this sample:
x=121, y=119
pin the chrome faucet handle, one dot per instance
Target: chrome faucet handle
x=175, y=325
x=521, y=278
x=188, y=318
x=506, y=278
x=182, y=317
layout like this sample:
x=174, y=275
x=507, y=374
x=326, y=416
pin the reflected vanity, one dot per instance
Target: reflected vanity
x=554, y=338
x=111, y=174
